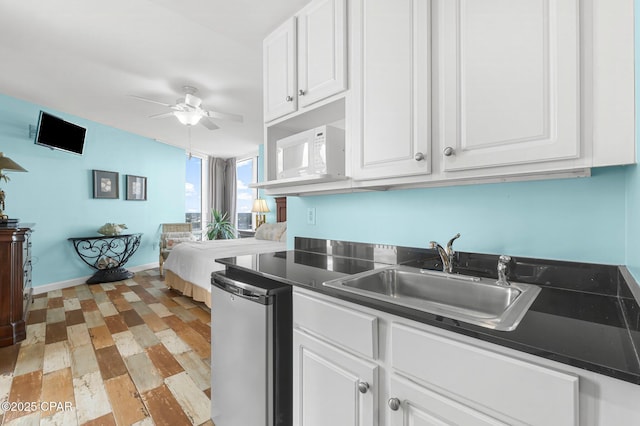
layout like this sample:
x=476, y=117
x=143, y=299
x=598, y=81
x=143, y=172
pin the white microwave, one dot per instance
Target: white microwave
x=318, y=151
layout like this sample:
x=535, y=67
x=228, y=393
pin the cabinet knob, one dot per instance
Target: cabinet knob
x=448, y=151
x=419, y=156
x=394, y=404
x=301, y=92
x=289, y=99
x=363, y=387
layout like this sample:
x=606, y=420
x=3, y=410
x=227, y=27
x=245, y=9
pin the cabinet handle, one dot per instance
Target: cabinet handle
x=419, y=156
x=363, y=387
x=301, y=92
x=289, y=99
x=448, y=151
x=394, y=404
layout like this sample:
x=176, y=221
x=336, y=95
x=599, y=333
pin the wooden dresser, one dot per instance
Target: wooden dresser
x=15, y=283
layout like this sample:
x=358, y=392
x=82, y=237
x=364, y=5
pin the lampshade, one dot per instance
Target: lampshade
x=188, y=118
x=7, y=163
x=260, y=206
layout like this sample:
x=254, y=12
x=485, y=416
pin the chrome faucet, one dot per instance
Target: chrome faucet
x=446, y=255
x=503, y=267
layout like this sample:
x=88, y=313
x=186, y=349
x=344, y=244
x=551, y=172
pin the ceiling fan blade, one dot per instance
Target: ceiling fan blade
x=206, y=122
x=164, y=114
x=224, y=116
x=150, y=100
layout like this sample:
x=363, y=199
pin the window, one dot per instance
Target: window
x=246, y=173
x=193, y=192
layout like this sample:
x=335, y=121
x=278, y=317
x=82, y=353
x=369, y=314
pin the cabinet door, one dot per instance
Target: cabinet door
x=279, y=68
x=508, y=82
x=395, y=139
x=419, y=406
x=322, y=50
x=326, y=384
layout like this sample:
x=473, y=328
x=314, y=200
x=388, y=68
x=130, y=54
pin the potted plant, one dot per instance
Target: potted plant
x=220, y=227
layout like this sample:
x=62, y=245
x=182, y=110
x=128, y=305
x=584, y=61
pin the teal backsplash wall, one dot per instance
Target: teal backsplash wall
x=568, y=219
x=56, y=193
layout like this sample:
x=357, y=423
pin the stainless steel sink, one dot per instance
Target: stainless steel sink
x=474, y=300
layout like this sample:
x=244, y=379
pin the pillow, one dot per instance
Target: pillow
x=182, y=234
x=172, y=242
x=271, y=231
x=172, y=239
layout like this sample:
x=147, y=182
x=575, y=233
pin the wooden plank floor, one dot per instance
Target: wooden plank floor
x=125, y=353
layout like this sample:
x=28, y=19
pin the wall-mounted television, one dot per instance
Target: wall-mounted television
x=56, y=133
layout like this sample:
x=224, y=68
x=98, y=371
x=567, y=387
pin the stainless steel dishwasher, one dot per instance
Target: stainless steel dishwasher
x=251, y=351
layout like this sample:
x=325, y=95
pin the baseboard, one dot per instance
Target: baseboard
x=59, y=285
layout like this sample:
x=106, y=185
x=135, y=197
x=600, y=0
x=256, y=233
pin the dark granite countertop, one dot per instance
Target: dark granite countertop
x=585, y=315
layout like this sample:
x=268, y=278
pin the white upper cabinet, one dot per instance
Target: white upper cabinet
x=394, y=96
x=305, y=58
x=322, y=50
x=279, y=62
x=509, y=82
x=447, y=92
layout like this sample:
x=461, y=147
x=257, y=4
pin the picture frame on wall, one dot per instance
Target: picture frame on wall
x=136, y=188
x=105, y=184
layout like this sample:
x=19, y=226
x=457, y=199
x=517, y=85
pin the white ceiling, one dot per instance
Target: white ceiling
x=85, y=57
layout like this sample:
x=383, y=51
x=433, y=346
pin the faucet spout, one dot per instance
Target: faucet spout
x=450, y=251
x=446, y=255
x=503, y=270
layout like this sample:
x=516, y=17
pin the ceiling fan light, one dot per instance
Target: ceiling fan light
x=188, y=118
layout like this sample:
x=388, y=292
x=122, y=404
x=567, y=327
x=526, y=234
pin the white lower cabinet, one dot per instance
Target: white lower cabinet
x=414, y=405
x=498, y=385
x=331, y=387
x=413, y=374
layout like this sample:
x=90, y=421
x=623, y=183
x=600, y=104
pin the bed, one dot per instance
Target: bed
x=189, y=266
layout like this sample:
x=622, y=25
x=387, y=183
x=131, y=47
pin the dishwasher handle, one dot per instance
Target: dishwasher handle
x=242, y=289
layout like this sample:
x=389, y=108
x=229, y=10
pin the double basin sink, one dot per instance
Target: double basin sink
x=474, y=300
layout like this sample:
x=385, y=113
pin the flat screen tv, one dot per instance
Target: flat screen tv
x=57, y=133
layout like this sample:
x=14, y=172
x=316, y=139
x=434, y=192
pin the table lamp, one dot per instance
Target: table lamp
x=6, y=163
x=260, y=207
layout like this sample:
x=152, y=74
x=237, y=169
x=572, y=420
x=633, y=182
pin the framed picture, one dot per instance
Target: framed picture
x=105, y=184
x=136, y=188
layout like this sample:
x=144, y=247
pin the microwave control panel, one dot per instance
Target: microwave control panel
x=320, y=157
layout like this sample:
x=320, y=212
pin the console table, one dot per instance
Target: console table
x=107, y=254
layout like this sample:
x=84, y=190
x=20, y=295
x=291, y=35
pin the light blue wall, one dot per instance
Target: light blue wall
x=569, y=219
x=56, y=193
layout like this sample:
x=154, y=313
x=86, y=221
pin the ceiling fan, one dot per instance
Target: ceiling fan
x=189, y=112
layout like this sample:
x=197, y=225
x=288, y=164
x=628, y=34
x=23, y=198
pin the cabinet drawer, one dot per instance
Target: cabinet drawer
x=544, y=396
x=343, y=325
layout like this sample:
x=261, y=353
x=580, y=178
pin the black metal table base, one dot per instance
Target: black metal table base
x=107, y=254
x=110, y=275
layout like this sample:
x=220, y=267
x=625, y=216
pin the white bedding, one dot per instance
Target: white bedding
x=195, y=261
